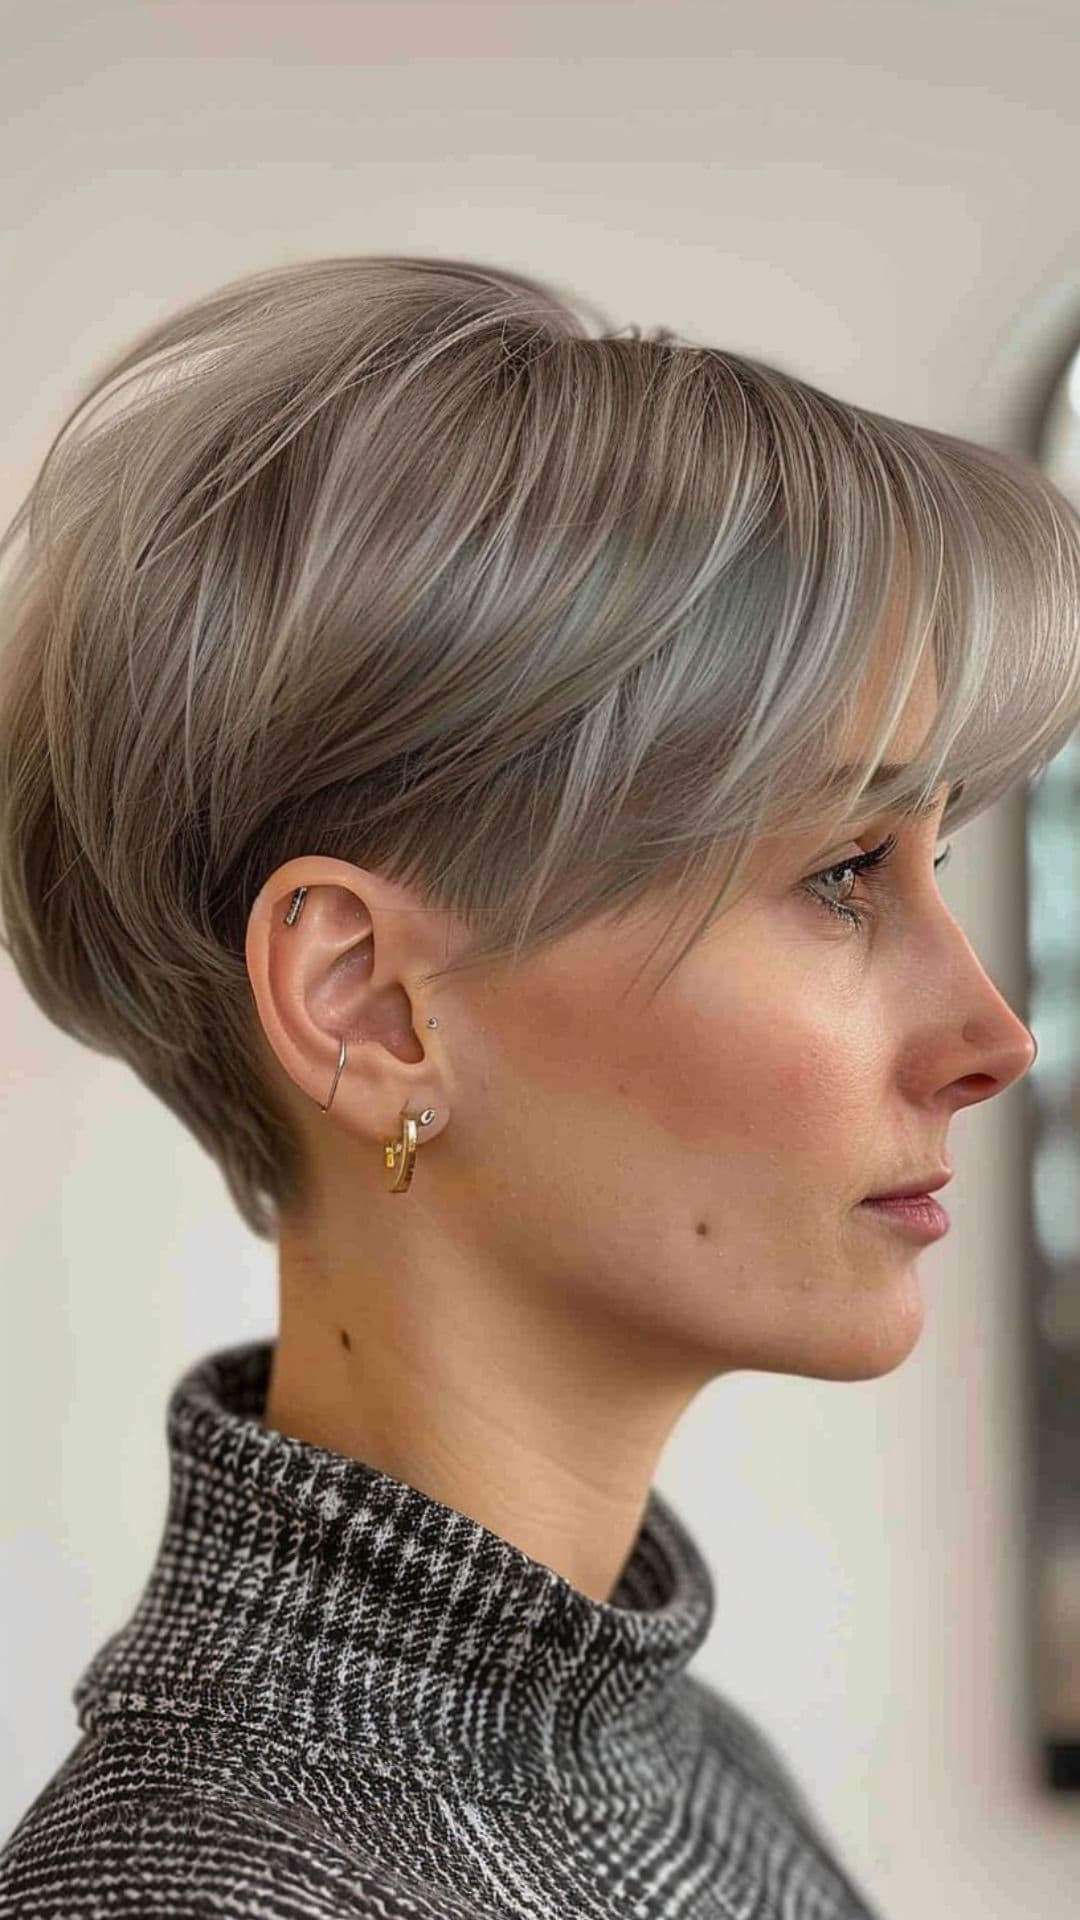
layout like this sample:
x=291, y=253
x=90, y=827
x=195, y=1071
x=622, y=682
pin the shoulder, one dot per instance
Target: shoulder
x=729, y=1728
x=772, y=1785
x=93, y=1846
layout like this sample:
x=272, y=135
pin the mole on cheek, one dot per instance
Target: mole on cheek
x=345, y=1341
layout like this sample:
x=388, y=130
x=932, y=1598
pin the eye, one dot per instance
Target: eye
x=870, y=863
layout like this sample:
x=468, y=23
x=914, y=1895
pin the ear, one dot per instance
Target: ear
x=341, y=965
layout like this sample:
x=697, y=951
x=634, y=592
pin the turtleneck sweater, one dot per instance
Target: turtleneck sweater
x=338, y=1696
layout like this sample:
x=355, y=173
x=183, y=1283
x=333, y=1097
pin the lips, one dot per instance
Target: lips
x=917, y=1188
x=917, y=1214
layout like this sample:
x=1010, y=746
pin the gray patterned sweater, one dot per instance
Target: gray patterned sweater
x=339, y=1697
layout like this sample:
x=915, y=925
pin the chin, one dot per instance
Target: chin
x=861, y=1337
x=881, y=1332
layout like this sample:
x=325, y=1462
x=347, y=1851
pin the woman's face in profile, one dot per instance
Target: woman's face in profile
x=665, y=1183
x=689, y=1167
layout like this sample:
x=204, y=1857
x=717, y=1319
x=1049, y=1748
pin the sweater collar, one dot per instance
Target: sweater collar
x=303, y=1591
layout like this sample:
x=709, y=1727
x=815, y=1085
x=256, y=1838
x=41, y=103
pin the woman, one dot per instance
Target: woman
x=383, y=689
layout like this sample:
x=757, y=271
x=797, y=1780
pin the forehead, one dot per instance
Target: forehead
x=917, y=718
x=905, y=742
x=912, y=730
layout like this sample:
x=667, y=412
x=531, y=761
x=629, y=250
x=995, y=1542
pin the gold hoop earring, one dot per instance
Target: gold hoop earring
x=405, y=1149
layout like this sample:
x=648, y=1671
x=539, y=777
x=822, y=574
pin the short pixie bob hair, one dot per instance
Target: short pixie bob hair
x=391, y=558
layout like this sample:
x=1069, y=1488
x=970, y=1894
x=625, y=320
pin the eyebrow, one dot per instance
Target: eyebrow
x=887, y=772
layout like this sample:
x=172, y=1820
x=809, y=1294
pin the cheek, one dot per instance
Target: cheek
x=741, y=1078
x=755, y=1080
x=805, y=1076
x=733, y=1059
x=820, y=1088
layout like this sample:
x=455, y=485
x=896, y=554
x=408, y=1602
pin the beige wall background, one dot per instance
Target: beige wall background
x=879, y=197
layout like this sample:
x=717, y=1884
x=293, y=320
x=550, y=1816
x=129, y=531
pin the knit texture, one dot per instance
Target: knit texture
x=337, y=1696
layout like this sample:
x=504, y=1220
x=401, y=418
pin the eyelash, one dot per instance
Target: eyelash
x=871, y=863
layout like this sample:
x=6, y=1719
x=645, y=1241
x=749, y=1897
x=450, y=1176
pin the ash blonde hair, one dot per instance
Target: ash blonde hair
x=416, y=563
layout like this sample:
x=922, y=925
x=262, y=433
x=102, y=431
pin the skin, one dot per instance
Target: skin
x=620, y=1198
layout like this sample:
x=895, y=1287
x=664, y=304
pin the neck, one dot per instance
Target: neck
x=493, y=1395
